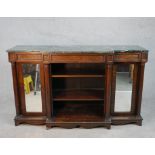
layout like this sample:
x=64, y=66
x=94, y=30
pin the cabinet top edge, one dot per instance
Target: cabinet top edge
x=77, y=48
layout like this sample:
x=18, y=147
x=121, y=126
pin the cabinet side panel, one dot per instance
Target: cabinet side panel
x=15, y=87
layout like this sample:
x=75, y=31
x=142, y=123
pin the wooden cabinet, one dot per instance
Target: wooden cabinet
x=78, y=86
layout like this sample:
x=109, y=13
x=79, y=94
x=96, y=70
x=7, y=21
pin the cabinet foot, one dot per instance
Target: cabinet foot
x=139, y=123
x=48, y=127
x=108, y=126
x=16, y=123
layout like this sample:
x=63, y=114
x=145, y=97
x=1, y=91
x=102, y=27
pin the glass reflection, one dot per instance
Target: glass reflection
x=123, y=94
x=32, y=87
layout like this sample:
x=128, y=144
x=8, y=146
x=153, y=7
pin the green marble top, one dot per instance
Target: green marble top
x=78, y=48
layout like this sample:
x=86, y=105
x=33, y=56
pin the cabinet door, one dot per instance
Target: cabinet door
x=124, y=88
x=32, y=90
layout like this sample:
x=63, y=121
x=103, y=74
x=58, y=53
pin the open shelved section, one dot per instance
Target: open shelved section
x=77, y=92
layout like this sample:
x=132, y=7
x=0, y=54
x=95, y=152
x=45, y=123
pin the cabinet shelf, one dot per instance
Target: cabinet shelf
x=76, y=74
x=78, y=112
x=79, y=95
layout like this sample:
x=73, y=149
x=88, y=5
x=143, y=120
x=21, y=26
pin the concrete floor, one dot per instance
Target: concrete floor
x=7, y=128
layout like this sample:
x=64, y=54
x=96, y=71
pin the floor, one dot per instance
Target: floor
x=8, y=129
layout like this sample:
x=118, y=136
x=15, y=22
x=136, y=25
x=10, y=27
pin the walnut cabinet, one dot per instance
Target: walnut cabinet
x=78, y=86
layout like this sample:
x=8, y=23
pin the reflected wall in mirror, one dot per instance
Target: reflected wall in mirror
x=124, y=82
x=32, y=87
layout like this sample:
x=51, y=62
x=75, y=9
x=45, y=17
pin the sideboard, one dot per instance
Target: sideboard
x=78, y=86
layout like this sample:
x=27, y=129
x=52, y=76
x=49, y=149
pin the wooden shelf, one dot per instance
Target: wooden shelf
x=75, y=76
x=77, y=73
x=79, y=95
x=78, y=112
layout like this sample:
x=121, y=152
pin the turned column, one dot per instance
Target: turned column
x=15, y=87
x=49, y=106
x=108, y=80
x=141, y=67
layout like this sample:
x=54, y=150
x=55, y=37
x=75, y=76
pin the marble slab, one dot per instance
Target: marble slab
x=78, y=48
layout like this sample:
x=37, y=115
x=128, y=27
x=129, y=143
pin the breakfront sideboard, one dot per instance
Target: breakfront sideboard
x=78, y=86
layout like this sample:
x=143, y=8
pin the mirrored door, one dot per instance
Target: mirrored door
x=32, y=94
x=124, y=88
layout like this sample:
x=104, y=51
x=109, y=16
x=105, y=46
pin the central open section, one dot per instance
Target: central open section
x=78, y=92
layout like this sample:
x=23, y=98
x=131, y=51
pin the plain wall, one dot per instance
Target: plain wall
x=69, y=31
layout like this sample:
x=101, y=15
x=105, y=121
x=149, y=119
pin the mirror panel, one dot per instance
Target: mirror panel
x=32, y=87
x=124, y=82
